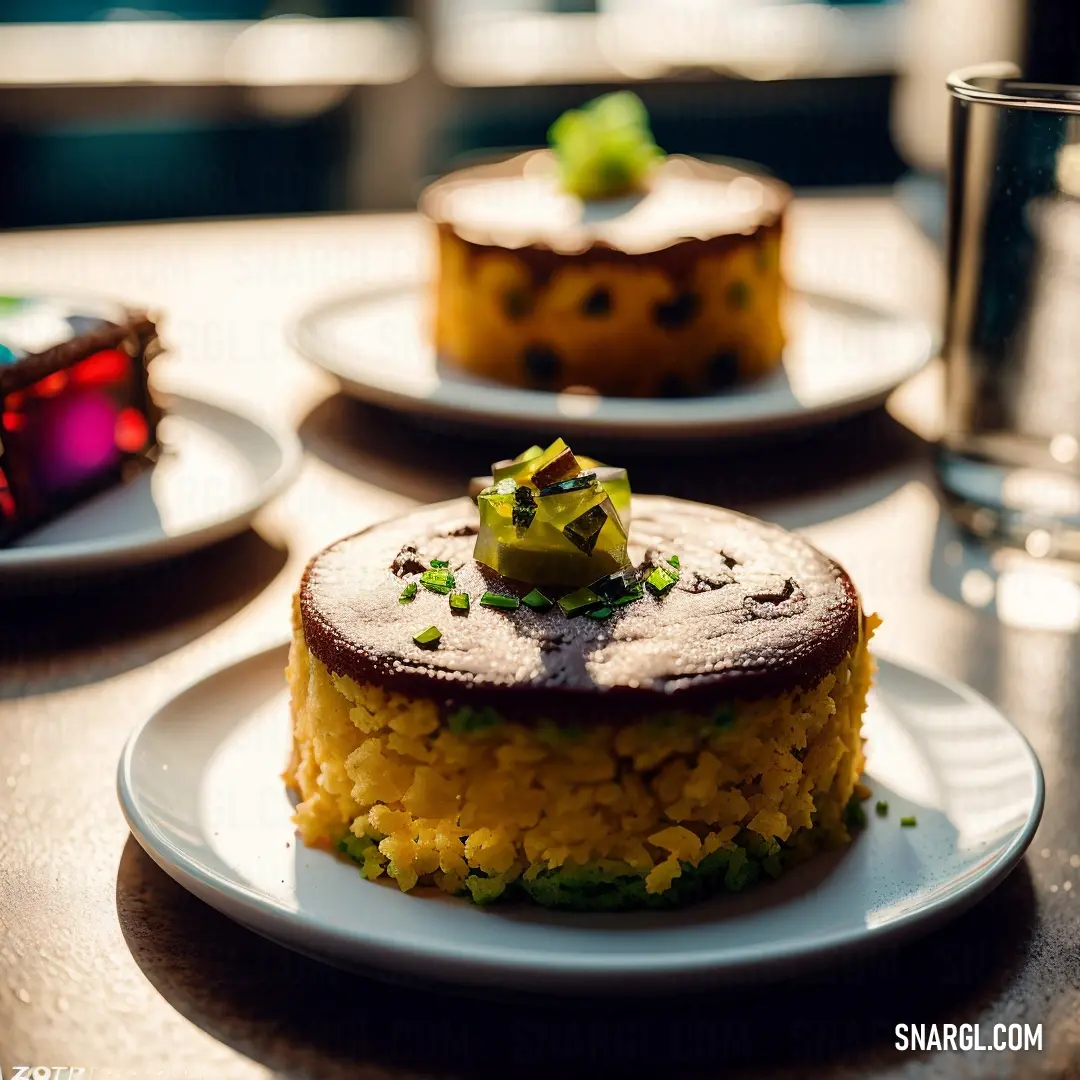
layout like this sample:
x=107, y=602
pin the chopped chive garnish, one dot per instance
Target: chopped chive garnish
x=429, y=638
x=660, y=580
x=600, y=613
x=459, y=601
x=674, y=561
x=408, y=593
x=908, y=823
x=613, y=586
x=500, y=600
x=881, y=808
x=440, y=580
x=537, y=601
x=564, y=487
x=580, y=602
x=439, y=564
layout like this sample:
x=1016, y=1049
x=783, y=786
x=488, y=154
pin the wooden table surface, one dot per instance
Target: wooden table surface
x=105, y=963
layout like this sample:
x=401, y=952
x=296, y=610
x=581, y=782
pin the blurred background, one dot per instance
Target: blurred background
x=202, y=108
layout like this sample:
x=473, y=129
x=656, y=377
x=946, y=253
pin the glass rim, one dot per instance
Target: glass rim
x=1053, y=97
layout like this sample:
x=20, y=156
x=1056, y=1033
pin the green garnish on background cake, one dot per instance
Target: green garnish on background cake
x=605, y=149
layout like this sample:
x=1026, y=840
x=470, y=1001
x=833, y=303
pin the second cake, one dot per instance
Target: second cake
x=669, y=287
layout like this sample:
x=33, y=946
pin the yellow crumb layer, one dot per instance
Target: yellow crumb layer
x=489, y=314
x=513, y=799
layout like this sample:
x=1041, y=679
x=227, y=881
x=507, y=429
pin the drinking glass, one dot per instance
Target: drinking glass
x=1010, y=459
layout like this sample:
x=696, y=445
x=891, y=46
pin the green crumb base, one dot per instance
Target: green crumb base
x=611, y=886
x=617, y=887
x=363, y=851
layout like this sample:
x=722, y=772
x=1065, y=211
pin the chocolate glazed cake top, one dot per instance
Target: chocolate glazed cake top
x=757, y=612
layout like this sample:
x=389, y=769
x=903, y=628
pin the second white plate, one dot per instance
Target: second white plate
x=842, y=358
x=200, y=786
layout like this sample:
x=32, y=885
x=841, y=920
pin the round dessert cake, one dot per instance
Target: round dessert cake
x=685, y=724
x=671, y=291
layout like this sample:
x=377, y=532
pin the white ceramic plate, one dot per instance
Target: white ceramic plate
x=842, y=358
x=217, y=470
x=200, y=786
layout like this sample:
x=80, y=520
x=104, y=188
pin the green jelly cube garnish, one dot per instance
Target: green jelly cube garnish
x=599, y=613
x=537, y=601
x=580, y=602
x=440, y=581
x=567, y=534
x=674, y=561
x=567, y=567
x=636, y=593
x=659, y=581
x=564, y=487
x=604, y=149
x=429, y=638
x=407, y=593
x=584, y=531
x=500, y=600
x=908, y=823
x=439, y=564
x=560, y=468
x=459, y=601
x=881, y=808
